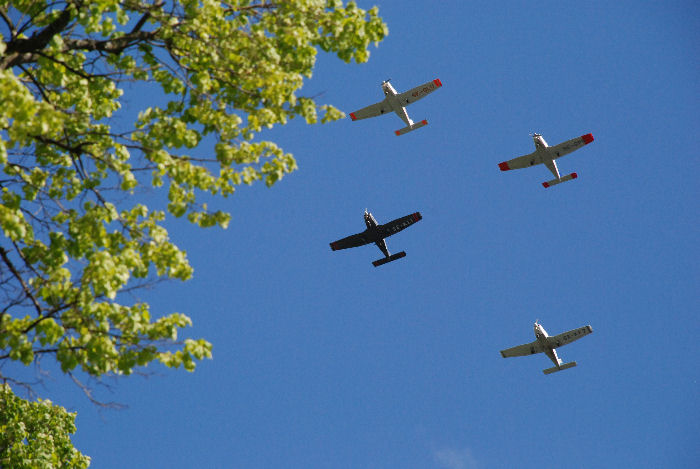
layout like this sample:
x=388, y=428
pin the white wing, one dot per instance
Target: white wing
x=522, y=350
x=373, y=110
x=567, y=147
x=413, y=95
x=520, y=162
x=569, y=336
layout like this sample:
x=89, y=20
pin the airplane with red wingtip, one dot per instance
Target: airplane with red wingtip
x=397, y=103
x=376, y=233
x=545, y=154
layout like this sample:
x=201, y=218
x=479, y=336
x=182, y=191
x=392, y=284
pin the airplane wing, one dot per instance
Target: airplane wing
x=373, y=110
x=352, y=241
x=399, y=224
x=520, y=162
x=413, y=95
x=568, y=337
x=567, y=147
x=522, y=350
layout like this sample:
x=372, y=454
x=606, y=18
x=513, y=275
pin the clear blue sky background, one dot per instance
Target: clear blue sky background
x=323, y=361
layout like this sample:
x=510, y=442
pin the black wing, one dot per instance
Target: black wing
x=399, y=224
x=353, y=241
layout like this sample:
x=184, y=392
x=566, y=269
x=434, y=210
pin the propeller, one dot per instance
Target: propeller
x=386, y=81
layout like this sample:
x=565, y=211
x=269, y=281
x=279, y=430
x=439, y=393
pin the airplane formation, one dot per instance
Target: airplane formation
x=377, y=233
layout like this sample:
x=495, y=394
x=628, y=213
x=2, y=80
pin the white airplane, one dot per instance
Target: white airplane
x=545, y=154
x=545, y=343
x=397, y=102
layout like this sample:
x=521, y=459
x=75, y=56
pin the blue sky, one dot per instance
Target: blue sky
x=321, y=360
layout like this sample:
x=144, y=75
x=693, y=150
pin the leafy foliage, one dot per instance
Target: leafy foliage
x=77, y=233
x=36, y=434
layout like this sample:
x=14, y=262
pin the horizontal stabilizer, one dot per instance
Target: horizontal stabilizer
x=554, y=182
x=561, y=367
x=411, y=127
x=393, y=257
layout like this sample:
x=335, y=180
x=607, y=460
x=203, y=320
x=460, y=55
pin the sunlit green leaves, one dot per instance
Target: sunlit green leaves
x=193, y=350
x=76, y=233
x=36, y=434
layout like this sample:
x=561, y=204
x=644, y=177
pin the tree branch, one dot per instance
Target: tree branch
x=20, y=49
x=10, y=265
x=48, y=350
x=88, y=393
x=80, y=73
x=112, y=46
x=146, y=15
x=8, y=21
x=37, y=84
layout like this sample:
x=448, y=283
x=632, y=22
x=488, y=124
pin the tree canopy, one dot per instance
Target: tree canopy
x=77, y=234
x=36, y=434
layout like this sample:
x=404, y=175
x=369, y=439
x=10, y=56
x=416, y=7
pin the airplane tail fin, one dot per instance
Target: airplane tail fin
x=554, y=182
x=559, y=368
x=393, y=257
x=412, y=127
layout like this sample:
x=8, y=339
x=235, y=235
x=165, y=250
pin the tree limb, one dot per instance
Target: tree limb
x=27, y=291
x=88, y=393
x=19, y=49
x=112, y=46
x=10, y=26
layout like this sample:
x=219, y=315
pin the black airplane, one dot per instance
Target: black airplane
x=375, y=233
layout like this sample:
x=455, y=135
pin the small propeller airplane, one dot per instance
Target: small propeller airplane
x=375, y=233
x=544, y=343
x=545, y=154
x=397, y=102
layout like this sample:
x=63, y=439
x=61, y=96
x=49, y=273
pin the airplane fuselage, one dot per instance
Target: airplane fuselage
x=541, y=336
x=375, y=233
x=546, y=155
x=540, y=143
x=370, y=221
x=391, y=97
x=542, y=152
